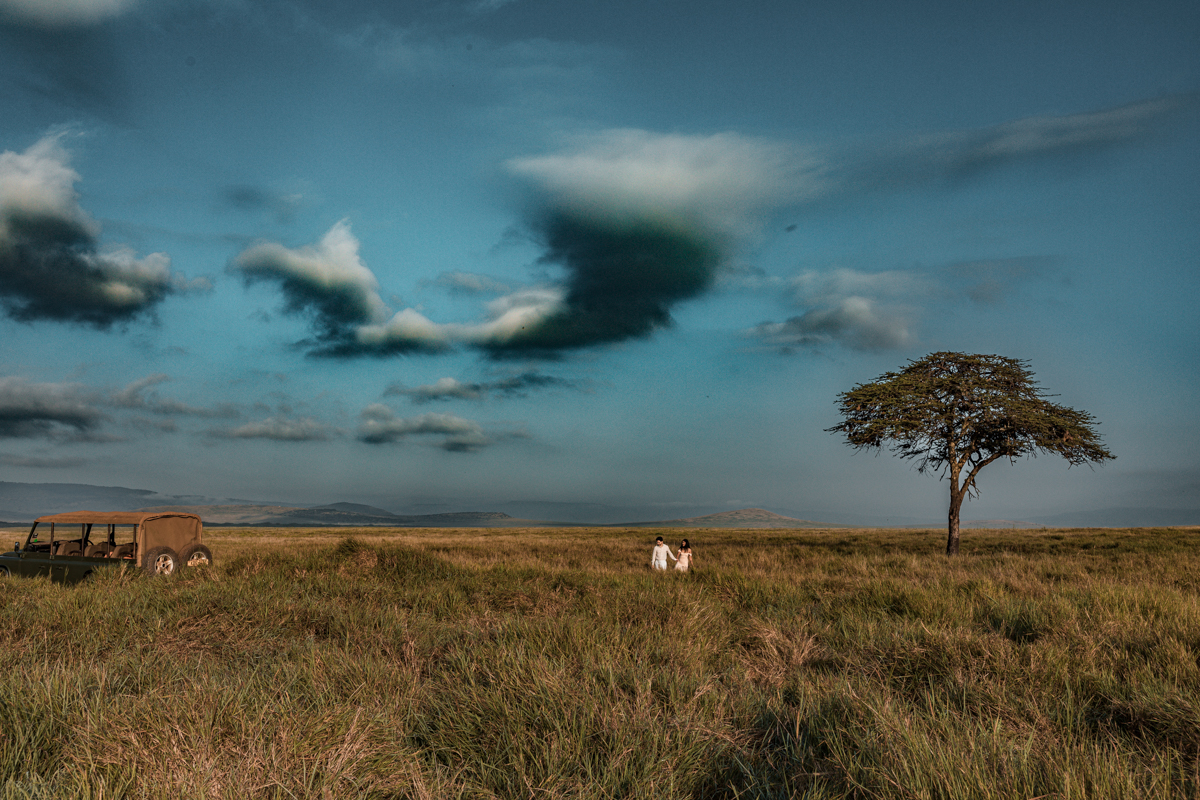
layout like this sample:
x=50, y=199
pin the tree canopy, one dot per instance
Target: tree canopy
x=955, y=413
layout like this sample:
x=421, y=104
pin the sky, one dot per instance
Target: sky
x=444, y=255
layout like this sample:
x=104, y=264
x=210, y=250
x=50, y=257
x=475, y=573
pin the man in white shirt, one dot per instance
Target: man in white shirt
x=658, y=558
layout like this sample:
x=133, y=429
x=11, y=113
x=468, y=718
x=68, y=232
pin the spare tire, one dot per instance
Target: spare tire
x=160, y=561
x=195, y=556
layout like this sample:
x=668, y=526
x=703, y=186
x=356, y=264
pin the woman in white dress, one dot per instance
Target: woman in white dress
x=658, y=558
x=684, y=561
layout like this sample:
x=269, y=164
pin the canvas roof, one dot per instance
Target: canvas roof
x=111, y=517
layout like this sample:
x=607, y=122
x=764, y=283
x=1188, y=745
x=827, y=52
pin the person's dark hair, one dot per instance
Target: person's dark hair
x=658, y=539
x=685, y=545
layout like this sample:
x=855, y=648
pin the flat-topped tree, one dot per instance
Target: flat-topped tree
x=956, y=413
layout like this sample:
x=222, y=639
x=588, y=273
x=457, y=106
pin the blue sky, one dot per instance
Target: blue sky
x=446, y=255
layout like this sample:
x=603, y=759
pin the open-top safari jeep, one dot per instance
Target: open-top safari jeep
x=69, y=547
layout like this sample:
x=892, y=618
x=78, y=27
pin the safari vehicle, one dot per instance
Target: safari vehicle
x=69, y=547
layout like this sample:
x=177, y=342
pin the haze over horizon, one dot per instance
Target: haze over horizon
x=610, y=254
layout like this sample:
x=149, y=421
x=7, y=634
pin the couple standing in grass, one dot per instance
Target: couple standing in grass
x=658, y=558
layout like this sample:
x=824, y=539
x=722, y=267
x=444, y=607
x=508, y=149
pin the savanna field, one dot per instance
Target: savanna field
x=553, y=664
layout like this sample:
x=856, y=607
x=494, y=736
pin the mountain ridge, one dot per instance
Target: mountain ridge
x=23, y=502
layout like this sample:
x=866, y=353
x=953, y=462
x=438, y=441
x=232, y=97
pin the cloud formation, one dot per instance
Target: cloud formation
x=955, y=153
x=61, y=13
x=51, y=265
x=327, y=280
x=46, y=410
x=451, y=389
x=279, y=429
x=639, y=222
x=244, y=197
x=380, y=425
x=879, y=310
x=39, y=462
x=459, y=282
x=855, y=322
x=409, y=331
x=140, y=395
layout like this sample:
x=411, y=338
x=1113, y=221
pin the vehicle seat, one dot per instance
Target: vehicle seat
x=98, y=550
x=124, y=550
x=68, y=549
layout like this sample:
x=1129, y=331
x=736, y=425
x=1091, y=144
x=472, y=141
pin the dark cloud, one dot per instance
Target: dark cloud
x=51, y=265
x=380, y=425
x=326, y=281
x=450, y=389
x=622, y=278
x=47, y=411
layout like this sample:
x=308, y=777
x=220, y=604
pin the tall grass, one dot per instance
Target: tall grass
x=531, y=664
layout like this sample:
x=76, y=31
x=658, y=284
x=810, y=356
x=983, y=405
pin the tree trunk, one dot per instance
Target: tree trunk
x=956, y=498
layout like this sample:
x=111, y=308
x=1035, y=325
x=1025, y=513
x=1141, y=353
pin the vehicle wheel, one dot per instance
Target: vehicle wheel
x=161, y=561
x=3, y=573
x=196, y=556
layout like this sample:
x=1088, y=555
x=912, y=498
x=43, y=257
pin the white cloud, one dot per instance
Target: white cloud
x=718, y=181
x=328, y=277
x=507, y=317
x=856, y=322
x=40, y=183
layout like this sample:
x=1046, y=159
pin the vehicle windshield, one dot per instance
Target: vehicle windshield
x=84, y=539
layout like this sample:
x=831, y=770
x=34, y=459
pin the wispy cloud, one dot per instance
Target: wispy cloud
x=879, y=310
x=451, y=389
x=41, y=462
x=244, y=197
x=51, y=264
x=142, y=396
x=61, y=13
x=957, y=152
x=47, y=410
x=280, y=429
x=381, y=425
x=991, y=281
x=469, y=283
x=856, y=322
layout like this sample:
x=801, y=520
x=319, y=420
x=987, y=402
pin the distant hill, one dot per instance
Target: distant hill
x=336, y=515
x=743, y=518
x=20, y=503
x=27, y=501
x=356, y=508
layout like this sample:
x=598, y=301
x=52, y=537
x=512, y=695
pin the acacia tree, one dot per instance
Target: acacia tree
x=956, y=413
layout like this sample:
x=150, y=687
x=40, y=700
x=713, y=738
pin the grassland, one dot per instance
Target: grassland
x=553, y=664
